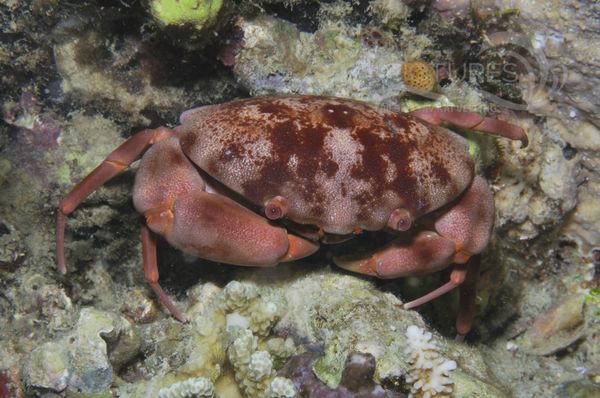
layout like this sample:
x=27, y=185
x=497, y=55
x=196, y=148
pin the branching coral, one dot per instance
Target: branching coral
x=231, y=323
x=254, y=370
x=197, y=387
x=429, y=371
x=244, y=308
x=281, y=388
x=248, y=321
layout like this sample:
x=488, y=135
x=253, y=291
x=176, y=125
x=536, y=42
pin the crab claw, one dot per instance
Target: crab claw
x=424, y=253
x=472, y=120
x=469, y=223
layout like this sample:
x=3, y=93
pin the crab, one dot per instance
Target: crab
x=266, y=180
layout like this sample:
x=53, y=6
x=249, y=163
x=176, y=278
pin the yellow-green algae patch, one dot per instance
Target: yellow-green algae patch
x=199, y=13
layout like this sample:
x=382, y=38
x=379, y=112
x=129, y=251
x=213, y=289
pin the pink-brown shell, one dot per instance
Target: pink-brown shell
x=343, y=165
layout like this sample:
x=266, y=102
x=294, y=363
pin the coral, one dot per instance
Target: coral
x=334, y=60
x=280, y=349
x=254, y=370
x=81, y=155
x=140, y=307
x=200, y=14
x=92, y=83
x=242, y=348
x=281, y=387
x=260, y=366
x=36, y=128
x=419, y=75
x=391, y=13
x=242, y=306
x=5, y=167
x=198, y=387
x=539, y=184
x=578, y=389
x=584, y=224
x=429, y=371
x=232, y=323
x=81, y=360
x=237, y=296
x=347, y=314
x=48, y=367
x=12, y=251
x=559, y=30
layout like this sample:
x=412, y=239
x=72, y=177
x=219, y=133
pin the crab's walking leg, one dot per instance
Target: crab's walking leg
x=468, y=294
x=151, y=272
x=464, y=276
x=471, y=120
x=192, y=216
x=457, y=277
x=117, y=161
x=461, y=231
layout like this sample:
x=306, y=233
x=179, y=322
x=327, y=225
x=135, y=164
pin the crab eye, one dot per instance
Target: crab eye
x=276, y=208
x=400, y=220
x=273, y=212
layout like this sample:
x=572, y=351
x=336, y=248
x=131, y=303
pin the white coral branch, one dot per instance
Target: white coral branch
x=429, y=371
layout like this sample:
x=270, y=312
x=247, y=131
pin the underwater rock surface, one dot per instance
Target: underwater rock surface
x=78, y=78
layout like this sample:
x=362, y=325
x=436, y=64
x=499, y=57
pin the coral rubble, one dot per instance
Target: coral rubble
x=357, y=380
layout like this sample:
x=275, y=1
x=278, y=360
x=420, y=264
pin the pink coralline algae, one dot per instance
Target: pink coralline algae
x=34, y=127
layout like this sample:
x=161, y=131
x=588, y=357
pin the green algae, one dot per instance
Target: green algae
x=199, y=14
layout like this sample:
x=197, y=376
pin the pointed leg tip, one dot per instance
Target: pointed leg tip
x=62, y=268
x=364, y=266
x=460, y=337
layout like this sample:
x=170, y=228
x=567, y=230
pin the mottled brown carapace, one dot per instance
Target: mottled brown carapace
x=343, y=165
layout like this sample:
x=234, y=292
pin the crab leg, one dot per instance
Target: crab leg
x=194, y=217
x=468, y=294
x=471, y=120
x=457, y=277
x=461, y=231
x=425, y=253
x=117, y=161
x=464, y=276
x=214, y=227
x=151, y=272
